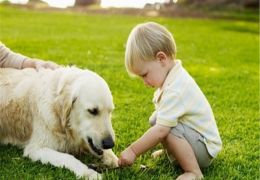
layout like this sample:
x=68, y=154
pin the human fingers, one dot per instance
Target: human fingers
x=122, y=161
x=51, y=65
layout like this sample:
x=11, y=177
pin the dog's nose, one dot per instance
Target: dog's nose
x=108, y=143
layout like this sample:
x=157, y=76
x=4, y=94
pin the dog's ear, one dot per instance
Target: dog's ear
x=62, y=108
x=63, y=102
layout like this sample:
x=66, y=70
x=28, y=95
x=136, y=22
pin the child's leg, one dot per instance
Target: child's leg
x=188, y=148
x=185, y=156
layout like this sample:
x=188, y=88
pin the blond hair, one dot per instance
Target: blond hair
x=145, y=41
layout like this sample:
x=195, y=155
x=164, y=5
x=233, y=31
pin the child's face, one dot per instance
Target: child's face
x=154, y=72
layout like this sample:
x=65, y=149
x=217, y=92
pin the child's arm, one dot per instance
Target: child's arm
x=151, y=137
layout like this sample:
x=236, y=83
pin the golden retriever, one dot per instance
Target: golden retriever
x=53, y=114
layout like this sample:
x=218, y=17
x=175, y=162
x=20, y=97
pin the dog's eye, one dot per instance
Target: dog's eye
x=93, y=111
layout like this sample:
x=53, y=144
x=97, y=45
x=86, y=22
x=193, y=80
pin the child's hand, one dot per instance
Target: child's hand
x=127, y=157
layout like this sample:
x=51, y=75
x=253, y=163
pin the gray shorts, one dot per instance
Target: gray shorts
x=195, y=139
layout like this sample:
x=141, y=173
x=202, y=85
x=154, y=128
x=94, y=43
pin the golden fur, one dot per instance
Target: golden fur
x=50, y=113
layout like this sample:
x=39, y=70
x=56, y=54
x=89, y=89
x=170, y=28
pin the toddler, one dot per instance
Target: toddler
x=183, y=120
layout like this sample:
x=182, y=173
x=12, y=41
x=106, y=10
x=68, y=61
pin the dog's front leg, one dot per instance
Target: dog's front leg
x=109, y=158
x=58, y=159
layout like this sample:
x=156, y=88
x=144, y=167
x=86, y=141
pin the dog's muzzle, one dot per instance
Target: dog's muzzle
x=94, y=148
x=108, y=143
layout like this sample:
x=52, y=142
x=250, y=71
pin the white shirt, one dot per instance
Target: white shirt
x=181, y=100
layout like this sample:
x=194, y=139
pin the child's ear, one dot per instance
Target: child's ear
x=161, y=57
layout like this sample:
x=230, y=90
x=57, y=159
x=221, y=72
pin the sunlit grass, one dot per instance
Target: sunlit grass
x=222, y=56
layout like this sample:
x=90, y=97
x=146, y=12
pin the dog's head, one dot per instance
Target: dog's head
x=87, y=104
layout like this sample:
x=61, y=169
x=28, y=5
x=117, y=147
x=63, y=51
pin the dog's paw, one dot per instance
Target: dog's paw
x=92, y=175
x=110, y=159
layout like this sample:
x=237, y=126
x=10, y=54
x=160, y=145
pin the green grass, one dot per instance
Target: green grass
x=221, y=55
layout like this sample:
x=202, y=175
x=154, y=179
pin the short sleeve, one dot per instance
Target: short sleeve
x=152, y=119
x=170, y=109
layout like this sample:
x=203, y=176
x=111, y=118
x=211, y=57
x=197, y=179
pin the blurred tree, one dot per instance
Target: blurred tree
x=86, y=2
x=243, y=3
x=34, y=0
x=37, y=2
x=251, y=3
x=170, y=2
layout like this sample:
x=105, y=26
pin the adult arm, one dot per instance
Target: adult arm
x=10, y=59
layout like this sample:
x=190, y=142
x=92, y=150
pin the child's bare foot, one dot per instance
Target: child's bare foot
x=160, y=152
x=190, y=176
x=157, y=153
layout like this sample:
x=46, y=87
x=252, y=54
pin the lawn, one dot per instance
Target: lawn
x=221, y=55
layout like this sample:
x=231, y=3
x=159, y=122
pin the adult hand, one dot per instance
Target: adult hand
x=45, y=64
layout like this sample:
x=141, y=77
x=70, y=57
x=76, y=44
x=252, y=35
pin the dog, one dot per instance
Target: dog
x=54, y=114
